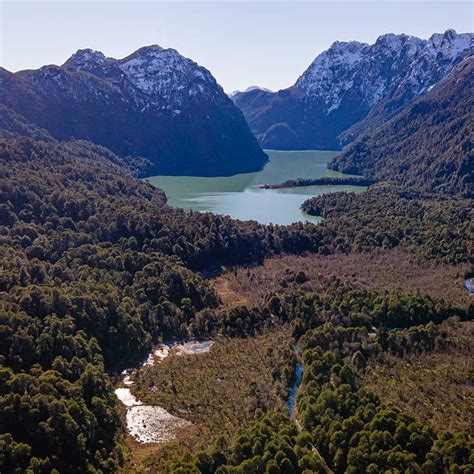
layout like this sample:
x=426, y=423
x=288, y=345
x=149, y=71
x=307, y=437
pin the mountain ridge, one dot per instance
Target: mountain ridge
x=345, y=83
x=427, y=145
x=153, y=103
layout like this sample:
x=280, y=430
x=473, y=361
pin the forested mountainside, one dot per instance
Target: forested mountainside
x=96, y=268
x=154, y=103
x=347, y=83
x=428, y=145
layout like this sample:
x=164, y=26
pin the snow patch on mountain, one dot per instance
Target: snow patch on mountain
x=330, y=74
x=450, y=44
x=371, y=72
x=164, y=74
x=85, y=60
x=152, y=75
x=249, y=89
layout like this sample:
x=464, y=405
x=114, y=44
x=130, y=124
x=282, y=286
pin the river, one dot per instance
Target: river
x=294, y=389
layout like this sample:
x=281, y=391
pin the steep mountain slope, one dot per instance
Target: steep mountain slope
x=154, y=103
x=428, y=145
x=348, y=83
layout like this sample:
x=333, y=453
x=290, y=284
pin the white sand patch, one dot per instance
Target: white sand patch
x=157, y=355
x=149, y=361
x=127, y=398
x=162, y=352
x=153, y=424
x=146, y=423
x=194, y=347
x=127, y=377
x=127, y=380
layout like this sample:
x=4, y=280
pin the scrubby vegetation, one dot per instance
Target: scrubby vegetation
x=345, y=427
x=219, y=391
x=428, y=371
x=381, y=269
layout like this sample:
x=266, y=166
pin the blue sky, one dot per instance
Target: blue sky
x=243, y=43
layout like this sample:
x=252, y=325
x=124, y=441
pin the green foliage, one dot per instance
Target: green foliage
x=345, y=428
x=434, y=227
x=271, y=444
x=95, y=267
x=350, y=427
x=326, y=181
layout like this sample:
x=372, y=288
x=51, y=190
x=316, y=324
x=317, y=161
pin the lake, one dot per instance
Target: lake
x=238, y=196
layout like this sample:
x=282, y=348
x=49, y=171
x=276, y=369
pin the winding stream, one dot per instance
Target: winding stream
x=294, y=388
x=469, y=286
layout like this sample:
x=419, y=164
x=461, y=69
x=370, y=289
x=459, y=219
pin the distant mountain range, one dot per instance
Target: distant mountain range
x=351, y=89
x=154, y=103
x=158, y=105
x=428, y=145
x=249, y=89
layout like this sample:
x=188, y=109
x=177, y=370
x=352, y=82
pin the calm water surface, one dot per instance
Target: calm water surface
x=238, y=197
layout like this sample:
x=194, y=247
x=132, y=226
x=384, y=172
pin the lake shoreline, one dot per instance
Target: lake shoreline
x=241, y=197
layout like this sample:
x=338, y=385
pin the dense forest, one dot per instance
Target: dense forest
x=427, y=145
x=434, y=227
x=327, y=181
x=96, y=267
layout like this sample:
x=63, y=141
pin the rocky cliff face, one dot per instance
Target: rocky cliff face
x=154, y=103
x=350, y=89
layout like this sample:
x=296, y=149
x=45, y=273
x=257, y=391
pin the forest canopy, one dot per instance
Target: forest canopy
x=96, y=267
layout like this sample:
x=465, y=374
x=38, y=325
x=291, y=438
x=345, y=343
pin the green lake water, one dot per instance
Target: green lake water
x=238, y=196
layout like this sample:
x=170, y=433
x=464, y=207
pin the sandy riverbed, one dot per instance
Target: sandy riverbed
x=153, y=424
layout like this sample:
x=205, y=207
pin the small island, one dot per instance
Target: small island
x=326, y=181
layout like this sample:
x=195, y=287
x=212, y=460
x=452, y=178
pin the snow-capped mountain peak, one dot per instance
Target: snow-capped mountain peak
x=450, y=45
x=150, y=75
x=166, y=73
x=154, y=103
x=248, y=89
x=85, y=60
x=351, y=88
x=330, y=74
x=373, y=71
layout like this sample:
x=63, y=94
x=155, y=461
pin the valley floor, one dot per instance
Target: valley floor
x=382, y=270
x=435, y=388
x=218, y=391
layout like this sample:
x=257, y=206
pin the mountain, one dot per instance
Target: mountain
x=249, y=89
x=428, y=145
x=350, y=89
x=154, y=103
